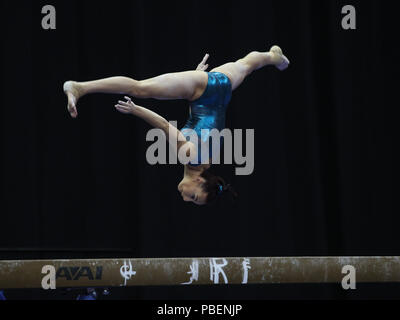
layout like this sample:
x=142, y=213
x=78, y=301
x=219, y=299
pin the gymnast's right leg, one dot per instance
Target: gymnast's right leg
x=188, y=85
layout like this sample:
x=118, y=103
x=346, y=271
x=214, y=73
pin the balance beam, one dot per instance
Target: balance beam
x=108, y=273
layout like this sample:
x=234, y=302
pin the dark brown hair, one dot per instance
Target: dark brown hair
x=215, y=187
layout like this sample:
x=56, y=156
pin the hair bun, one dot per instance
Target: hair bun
x=215, y=187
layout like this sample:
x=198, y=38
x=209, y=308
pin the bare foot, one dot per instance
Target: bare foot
x=279, y=60
x=72, y=92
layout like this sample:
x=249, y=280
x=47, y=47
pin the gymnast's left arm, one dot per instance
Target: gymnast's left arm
x=174, y=136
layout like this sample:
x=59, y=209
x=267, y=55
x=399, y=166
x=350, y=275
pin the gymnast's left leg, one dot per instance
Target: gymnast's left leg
x=239, y=70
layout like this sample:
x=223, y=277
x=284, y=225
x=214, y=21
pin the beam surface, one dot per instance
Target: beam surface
x=196, y=271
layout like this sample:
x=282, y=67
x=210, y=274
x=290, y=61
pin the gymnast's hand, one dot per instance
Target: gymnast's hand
x=203, y=66
x=126, y=107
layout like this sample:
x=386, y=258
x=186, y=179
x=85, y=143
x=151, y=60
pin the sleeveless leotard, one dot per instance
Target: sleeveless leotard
x=208, y=112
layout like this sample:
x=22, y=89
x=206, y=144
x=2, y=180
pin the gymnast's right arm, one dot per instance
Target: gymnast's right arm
x=203, y=66
x=156, y=121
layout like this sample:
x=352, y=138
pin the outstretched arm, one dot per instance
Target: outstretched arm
x=156, y=121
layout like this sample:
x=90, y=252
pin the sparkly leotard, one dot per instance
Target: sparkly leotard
x=208, y=112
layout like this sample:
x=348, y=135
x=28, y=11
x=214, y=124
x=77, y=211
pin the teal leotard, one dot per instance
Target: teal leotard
x=208, y=112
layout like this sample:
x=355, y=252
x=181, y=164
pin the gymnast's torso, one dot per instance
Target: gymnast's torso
x=208, y=113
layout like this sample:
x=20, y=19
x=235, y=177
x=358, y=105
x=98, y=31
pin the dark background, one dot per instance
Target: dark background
x=323, y=179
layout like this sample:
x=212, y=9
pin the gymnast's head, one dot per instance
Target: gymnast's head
x=204, y=189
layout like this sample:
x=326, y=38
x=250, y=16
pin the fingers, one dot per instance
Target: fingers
x=202, y=65
x=123, y=109
x=124, y=103
x=125, y=106
x=127, y=103
x=205, y=58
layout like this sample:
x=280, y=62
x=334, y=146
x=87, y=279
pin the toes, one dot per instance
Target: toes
x=72, y=110
x=71, y=99
x=286, y=59
x=284, y=65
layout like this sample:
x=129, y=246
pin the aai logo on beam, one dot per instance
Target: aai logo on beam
x=51, y=275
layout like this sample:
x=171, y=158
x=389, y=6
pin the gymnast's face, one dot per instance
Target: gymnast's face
x=192, y=191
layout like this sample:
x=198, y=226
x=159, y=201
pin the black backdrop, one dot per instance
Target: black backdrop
x=324, y=128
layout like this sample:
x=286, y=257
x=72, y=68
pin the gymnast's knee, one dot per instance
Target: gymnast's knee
x=242, y=68
x=140, y=89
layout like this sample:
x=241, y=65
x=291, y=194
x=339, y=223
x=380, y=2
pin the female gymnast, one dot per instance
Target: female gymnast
x=208, y=93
